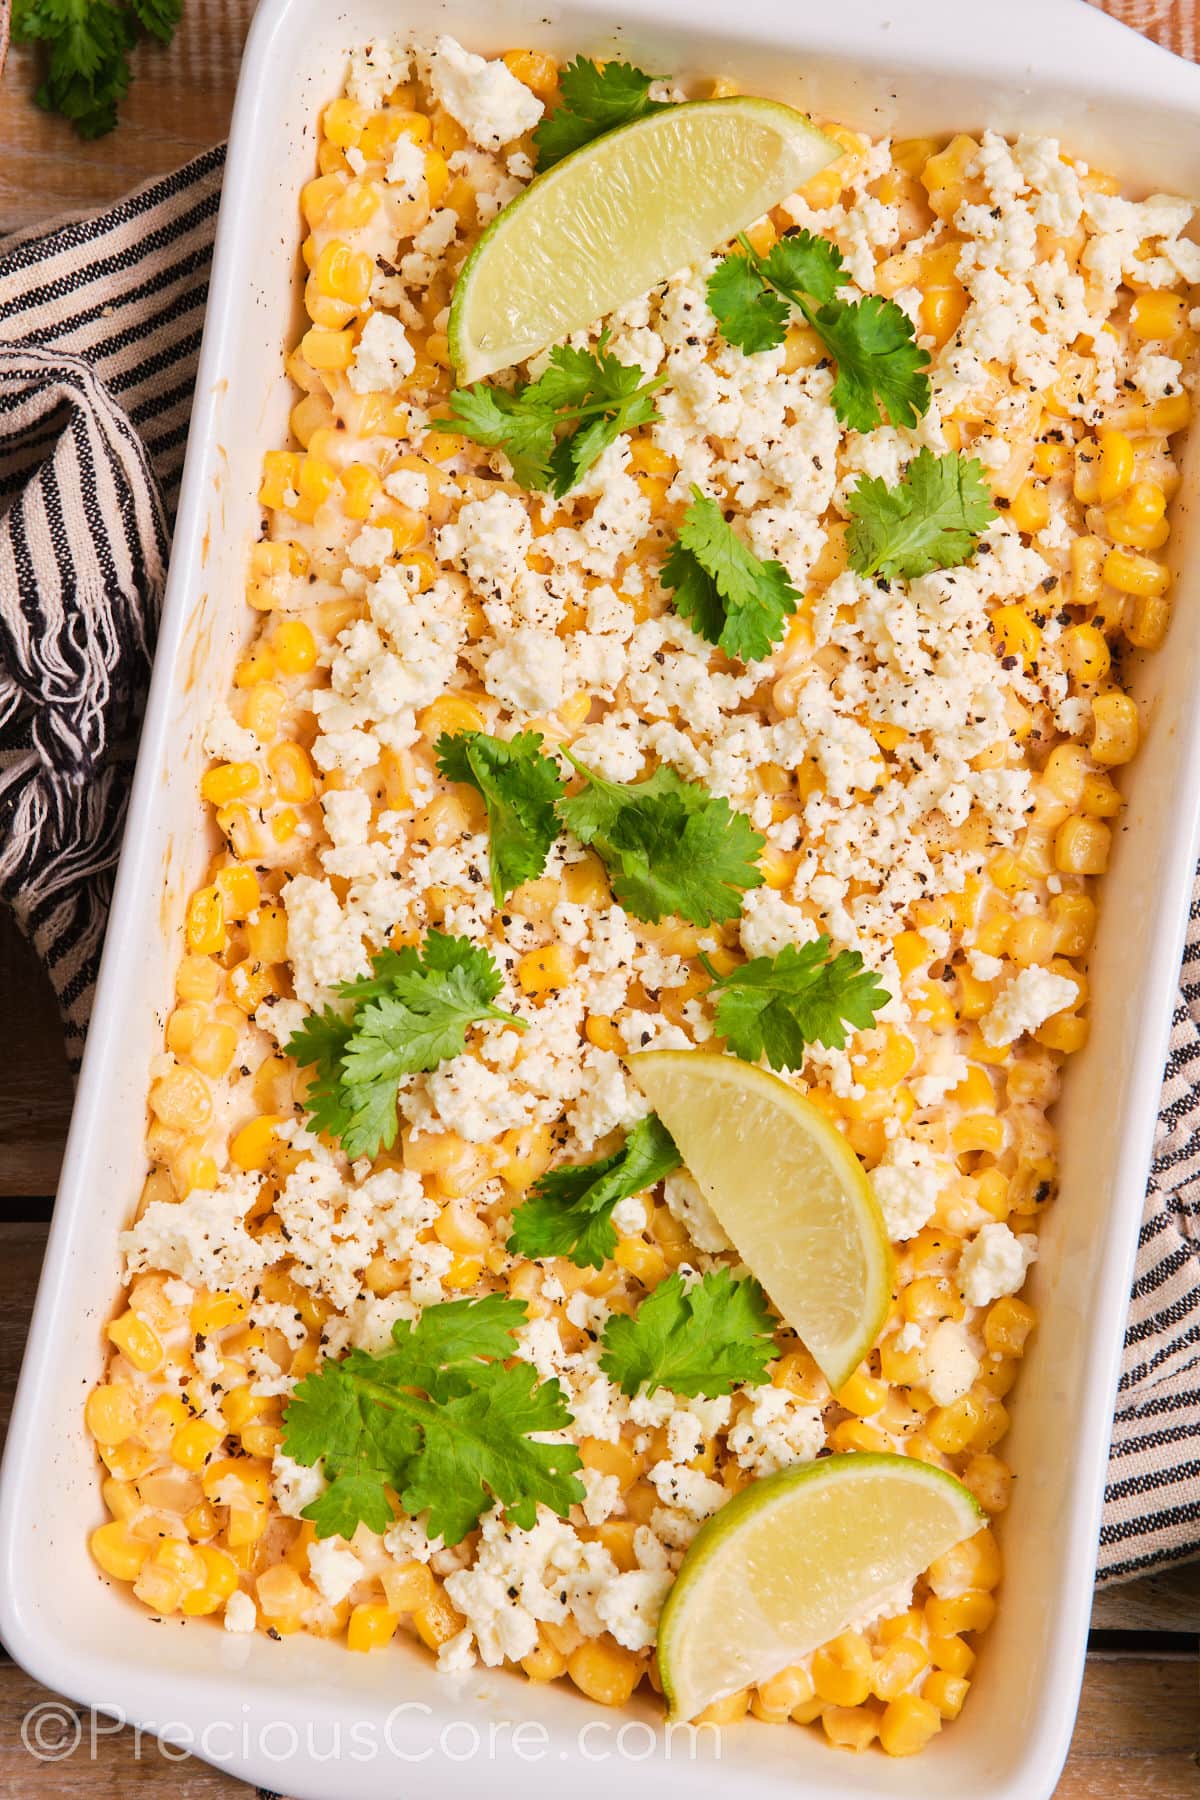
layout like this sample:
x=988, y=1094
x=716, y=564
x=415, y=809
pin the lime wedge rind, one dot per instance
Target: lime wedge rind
x=788, y=1192
x=793, y=1560
x=619, y=215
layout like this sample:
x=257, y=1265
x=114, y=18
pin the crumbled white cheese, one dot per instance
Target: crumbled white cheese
x=1032, y=996
x=334, y=1569
x=995, y=1262
x=906, y=1184
x=949, y=1365
x=382, y=357
x=240, y=1613
x=488, y=101
x=774, y=1430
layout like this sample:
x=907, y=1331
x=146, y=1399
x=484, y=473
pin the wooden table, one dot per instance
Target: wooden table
x=1138, y=1733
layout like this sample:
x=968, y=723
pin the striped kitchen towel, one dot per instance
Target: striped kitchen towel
x=99, y=329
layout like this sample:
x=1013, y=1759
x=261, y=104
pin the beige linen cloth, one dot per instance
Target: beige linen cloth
x=100, y=325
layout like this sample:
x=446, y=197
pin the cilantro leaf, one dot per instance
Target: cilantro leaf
x=595, y=393
x=88, y=45
x=595, y=99
x=879, y=362
x=773, y=1006
x=411, y=1013
x=668, y=844
x=440, y=1420
x=730, y=596
x=568, y=1212
x=705, y=1339
x=520, y=788
x=931, y=519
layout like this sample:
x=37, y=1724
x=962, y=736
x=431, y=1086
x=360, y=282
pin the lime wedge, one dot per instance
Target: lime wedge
x=609, y=221
x=795, y=1559
x=787, y=1189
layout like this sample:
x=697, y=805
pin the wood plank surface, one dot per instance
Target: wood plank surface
x=1137, y=1734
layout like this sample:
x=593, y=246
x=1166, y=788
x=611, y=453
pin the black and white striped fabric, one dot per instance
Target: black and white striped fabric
x=99, y=329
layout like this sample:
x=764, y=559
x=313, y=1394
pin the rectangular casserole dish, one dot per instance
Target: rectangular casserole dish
x=296, y=1715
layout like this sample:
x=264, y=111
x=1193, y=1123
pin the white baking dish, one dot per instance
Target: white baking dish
x=273, y=1712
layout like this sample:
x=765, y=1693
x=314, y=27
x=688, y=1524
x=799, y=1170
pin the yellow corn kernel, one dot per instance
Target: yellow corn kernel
x=317, y=196
x=239, y=889
x=931, y=1297
x=1156, y=317
x=907, y=1724
x=534, y=69
x=213, y=1312
x=1085, y=653
x=1074, y=917
x=940, y=314
x=325, y=349
x=343, y=120
x=1052, y=458
x=206, y=922
x=990, y=1480
x=1146, y=620
x=886, y=1067
x=213, y=1049
x=438, y=1621
x=1029, y=508
x=341, y=273
x=645, y=1262
x=951, y=1428
x=1115, y=471
x=1082, y=846
x=842, y=1670
x=904, y=1659
x=451, y=713
x=1137, y=575
x=952, y=1654
x=110, y=1413
x=194, y=1443
x=972, y=1611
x=911, y=951
x=136, y=1341
x=118, y=1553
x=181, y=1101
x=526, y=1152
x=1015, y=633
x=1066, y=1033
x=197, y=978
x=1007, y=1326
x=973, y=1563
x=604, y=1671
x=360, y=488
x=946, y=1692
x=943, y=175
x=1172, y=414
x=862, y=1394
x=1115, y=729
x=408, y=1587
x=281, y=471
x=851, y=1727
x=543, y=971
x=293, y=647
x=120, y=1497
x=257, y=665
x=228, y=781
x=776, y=1700
x=251, y=1147
x=980, y=1132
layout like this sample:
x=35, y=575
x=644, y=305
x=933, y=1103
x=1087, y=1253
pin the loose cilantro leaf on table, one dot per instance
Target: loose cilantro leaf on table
x=595, y=394
x=774, y=1006
x=88, y=45
x=440, y=1420
x=730, y=596
x=705, y=1339
x=879, y=362
x=595, y=99
x=669, y=845
x=568, y=1212
x=520, y=787
x=411, y=1013
x=931, y=519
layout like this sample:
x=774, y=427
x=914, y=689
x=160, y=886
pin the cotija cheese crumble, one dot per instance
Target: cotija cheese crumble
x=928, y=764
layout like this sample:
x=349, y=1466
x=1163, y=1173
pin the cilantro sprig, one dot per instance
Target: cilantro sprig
x=521, y=788
x=931, y=519
x=88, y=45
x=568, y=1211
x=774, y=1006
x=553, y=429
x=446, y=1419
x=410, y=1014
x=879, y=362
x=704, y=1339
x=669, y=845
x=730, y=596
x=595, y=99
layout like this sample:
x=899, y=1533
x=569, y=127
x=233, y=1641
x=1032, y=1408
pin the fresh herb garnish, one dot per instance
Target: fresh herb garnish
x=708, y=1338
x=730, y=596
x=596, y=98
x=568, y=1212
x=931, y=519
x=88, y=45
x=774, y=1006
x=669, y=845
x=410, y=1014
x=520, y=787
x=872, y=341
x=441, y=1420
x=595, y=395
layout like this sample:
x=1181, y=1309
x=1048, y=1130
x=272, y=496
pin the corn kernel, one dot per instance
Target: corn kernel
x=206, y=922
